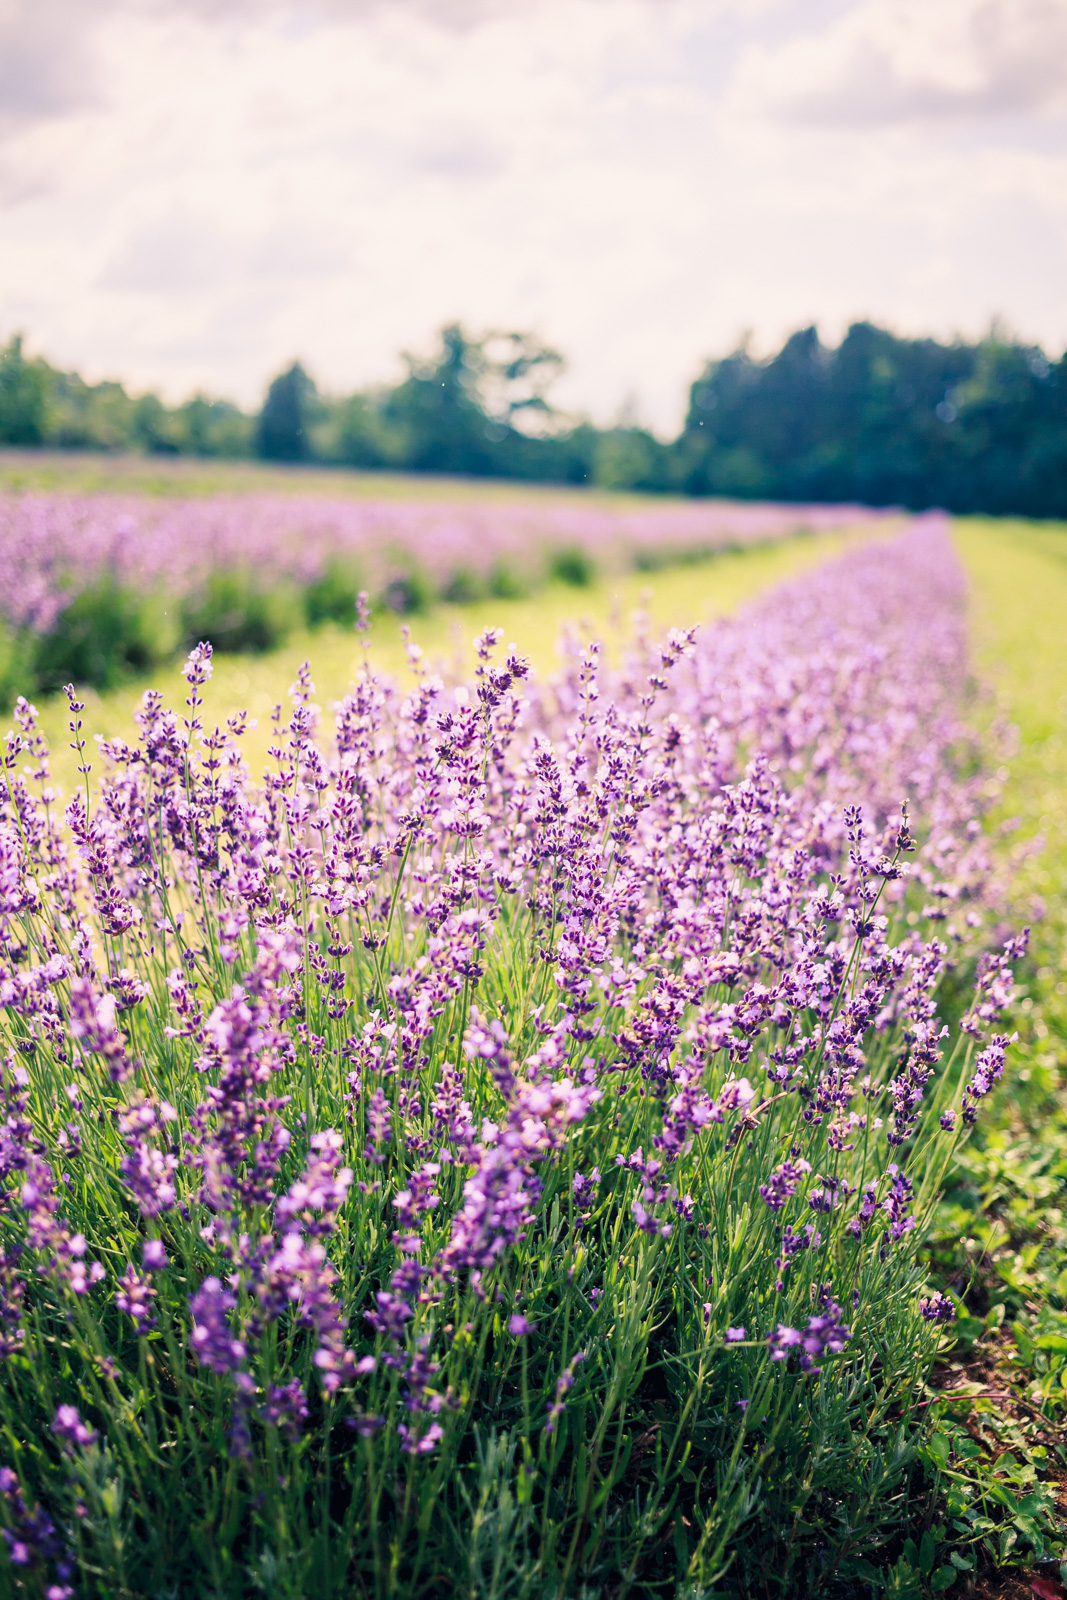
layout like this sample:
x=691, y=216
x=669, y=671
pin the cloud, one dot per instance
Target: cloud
x=173, y=254
x=889, y=62
x=48, y=64
x=457, y=151
x=637, y=180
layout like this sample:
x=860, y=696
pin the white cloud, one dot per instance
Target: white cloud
x=890, y=61
x=232, y=184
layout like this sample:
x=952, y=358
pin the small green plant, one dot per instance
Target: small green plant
x=408, y=592
x=570, y=564
x=104, y=635
x=231, y=611
x=331, y=597
x=463, y=587
x=508, y=582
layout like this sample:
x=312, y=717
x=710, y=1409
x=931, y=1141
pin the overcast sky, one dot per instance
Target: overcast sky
x=193, y=192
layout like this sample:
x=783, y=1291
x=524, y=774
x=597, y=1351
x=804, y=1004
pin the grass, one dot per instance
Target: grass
x=1001, y=1238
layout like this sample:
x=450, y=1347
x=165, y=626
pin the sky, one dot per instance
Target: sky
x=195, y=192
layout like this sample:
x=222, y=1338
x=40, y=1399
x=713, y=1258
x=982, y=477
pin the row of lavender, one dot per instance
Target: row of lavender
x=55, y=546
x=486, y=1155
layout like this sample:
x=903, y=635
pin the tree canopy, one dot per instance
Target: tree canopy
x=878, y=419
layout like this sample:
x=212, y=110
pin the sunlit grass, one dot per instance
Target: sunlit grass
x=1018, y=574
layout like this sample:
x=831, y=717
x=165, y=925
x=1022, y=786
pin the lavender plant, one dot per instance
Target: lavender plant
x=488, y=1153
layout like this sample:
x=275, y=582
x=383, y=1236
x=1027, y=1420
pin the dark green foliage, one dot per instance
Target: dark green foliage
x=463, y=587
x=407, y=591
x=332, y=597
x=23, y=396
x=632, y=458
x=282, y=431
x=884, y=421
x=232, y=612
x=880, y=420
x=507, y=582
x=106, y=633
x=40, y=405
x=17, y=674
x=572, y=565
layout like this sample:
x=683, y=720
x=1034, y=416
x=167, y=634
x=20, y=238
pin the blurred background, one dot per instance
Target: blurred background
x=798, y=249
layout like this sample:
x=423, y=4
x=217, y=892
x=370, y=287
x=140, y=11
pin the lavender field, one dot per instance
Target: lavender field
x=495, y=1150
x=96, y=587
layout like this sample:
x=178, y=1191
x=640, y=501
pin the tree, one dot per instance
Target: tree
x=24, y=387
x=282, y=432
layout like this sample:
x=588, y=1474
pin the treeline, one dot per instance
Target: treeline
x=878, y=419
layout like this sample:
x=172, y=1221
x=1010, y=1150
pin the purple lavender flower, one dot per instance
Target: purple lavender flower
x=135, y=1296
x=32, y=1541
x=70, y=1430
x=988, y=1069
x=896, y=1204
x=285, y=1408
x=419, y=1444
x=937, y=1307
x=825, y=1332
x=782, y=1183
x=564, y=1384
x=783, y=1341
x=212, y=1339
x=390, y=1315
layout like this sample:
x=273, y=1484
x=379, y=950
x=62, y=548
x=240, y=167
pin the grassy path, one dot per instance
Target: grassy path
x=1018, y=575
x=1001, y=1238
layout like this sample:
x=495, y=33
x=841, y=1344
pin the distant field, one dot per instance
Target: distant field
x=87, y=472
x=111, y=567
x=674, y=597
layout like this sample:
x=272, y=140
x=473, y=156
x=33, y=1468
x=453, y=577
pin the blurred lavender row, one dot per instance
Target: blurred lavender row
x=54, y=547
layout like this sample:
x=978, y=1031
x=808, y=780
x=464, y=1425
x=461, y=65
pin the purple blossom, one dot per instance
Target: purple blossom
x=896, y=1204
x=564, y=1384
x=825, y=1332
x=702, y=849
x=419, y=1444
x=285, y=1408
x=135, y=1296
x=70, y=1430
x=390, y=1315
x=212, y=1339
x=938, y=1307
x=782, y=1183
x=32, y=1541
x=988, y=1069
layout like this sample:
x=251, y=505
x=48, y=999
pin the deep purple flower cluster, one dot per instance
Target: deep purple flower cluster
x=824, y=1332
x=938, y=1307
x=33, y=1545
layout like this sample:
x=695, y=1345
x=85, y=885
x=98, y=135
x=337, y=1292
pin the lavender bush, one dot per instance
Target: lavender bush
x=93, y=585
x=487, y=1155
